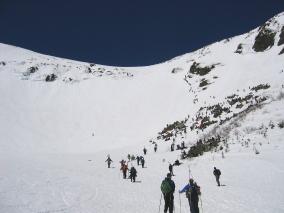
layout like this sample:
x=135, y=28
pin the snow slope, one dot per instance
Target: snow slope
x=55, y=134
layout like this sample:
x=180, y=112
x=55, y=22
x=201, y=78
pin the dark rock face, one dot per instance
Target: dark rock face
x=281, y=52
x=50, y=77
x=239, y=49
x=281, y=40
x=264, y=40
x=196, y=69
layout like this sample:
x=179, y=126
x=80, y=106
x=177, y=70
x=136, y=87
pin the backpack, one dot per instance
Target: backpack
x=166, y=187
x=192, y=190
x=218, y=172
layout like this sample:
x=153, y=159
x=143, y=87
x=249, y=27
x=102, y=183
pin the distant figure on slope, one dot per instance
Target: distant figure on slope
x=124, y=169
x=122, y=162
x=145, y=151
x=177, y=163
x=155, y=147
x=217, y=174
x=108, y=160
x=138, y=160
x=168, y=189
x=133, y=174
x=142, y=161
x=129, y=157
x=171, y=169
x=172, y=147
x=192, y=192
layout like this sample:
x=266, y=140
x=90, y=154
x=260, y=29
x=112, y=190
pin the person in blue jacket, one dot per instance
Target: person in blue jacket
x=192, y=191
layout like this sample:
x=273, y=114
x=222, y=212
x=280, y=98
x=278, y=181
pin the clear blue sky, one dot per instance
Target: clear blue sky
x=127, y=32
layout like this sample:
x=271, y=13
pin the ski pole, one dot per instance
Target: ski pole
x=160, y=202
x=201, y=204
x=179, y=203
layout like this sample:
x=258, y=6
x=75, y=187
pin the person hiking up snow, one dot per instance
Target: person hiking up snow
x=124, y=169
x=172, y=147
x=142, y=161
x=217, y=174
x=192, y=192
x=171, y=169
x=133, y=174
x=138, y=160
x=155, y=147
x=108, y=160
x=168, y=189
x=145, y=151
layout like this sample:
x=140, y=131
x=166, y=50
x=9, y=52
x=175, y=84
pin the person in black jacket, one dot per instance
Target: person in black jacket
x=133, y=174
x=217, y=174
x=108, y=160
x=168, y=189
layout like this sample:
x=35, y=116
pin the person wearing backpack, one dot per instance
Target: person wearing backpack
x=168, y=189
x=217, y=174
x=133, y=174
x=192, y=192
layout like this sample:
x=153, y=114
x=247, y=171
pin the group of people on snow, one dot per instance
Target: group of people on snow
x=192, y=191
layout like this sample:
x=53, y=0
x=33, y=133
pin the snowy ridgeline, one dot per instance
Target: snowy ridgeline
x=60, y=119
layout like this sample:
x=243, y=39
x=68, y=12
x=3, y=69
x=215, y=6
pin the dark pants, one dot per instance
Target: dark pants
x=169, y=203
x=218, y=180
x=124, y=174
x=108, y=165
x=193, y=206
x=132, y=178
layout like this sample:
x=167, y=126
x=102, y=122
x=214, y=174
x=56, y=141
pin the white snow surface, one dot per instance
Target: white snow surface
x=55, y=136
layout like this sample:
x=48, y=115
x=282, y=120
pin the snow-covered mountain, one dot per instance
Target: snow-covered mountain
x=228, y=96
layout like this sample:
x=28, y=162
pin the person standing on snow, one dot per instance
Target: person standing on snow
x=142, y=161
x=108, y=160
x=133, y=174
x=145, y=151
x=168, y=189
x=124, y=169
x=155, y=147
x=138, y=160
x=171, y=169
x=192, y=192
x=217, y=174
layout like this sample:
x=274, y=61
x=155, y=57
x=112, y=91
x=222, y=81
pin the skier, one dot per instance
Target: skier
x=168, y=189
x=108, y=160
x=133, y=174
x=142, y=161
x=145, y=151
x=138, y=160
x=171, y=169
x=124, y=169
x=192, y=192
x=217, y=174
x=155, y=147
